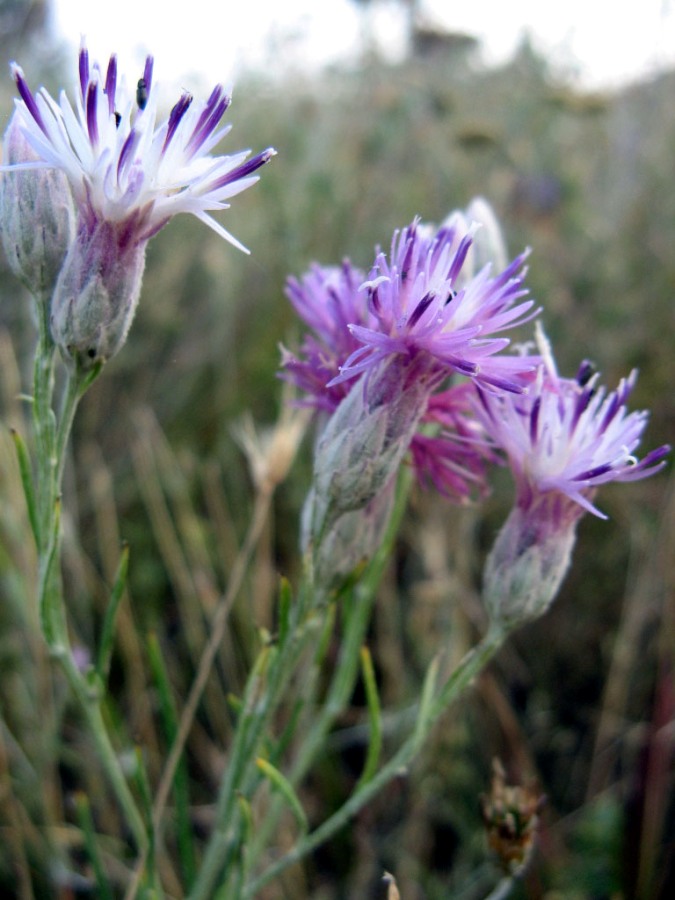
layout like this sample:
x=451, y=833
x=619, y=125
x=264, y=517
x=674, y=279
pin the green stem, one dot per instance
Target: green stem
x=361, y=603
x=50, y=445
x=264, y=690
x=45, y=426
x=90, y=704
x=468, y=668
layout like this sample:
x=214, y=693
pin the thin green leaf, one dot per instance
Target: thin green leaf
x=426, y=701
x=169, y=717
x=108, y=631
x=285, y=607
x=103, y=889
x=51, y=602
x=285, y=788
x=26, y=472
x=374, y=717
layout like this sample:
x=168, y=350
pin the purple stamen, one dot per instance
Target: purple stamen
x=654, y=456
x=593, y=473
x=127, y=151
x=534, y=420
x=580, y=407
x=421, y=308
x=374, y=301
x=208, y=120
x=244, y=169
x=147, y=73
x=92, y=125
x=111, y=83
x=613, y=407
x=27, y=97
x=460, y=256
x=175, y=117
x=84, y=71
x=585, y=373
x=407, y=259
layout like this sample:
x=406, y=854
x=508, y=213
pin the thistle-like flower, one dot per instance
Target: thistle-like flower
x=129, y=174
x=428, y=346
x=562, y=439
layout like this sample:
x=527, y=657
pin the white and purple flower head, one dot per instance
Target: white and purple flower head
x=129, y=173
x=126, y=168
x=563, y=439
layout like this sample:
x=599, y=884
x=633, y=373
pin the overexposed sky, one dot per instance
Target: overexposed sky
x=605, y=43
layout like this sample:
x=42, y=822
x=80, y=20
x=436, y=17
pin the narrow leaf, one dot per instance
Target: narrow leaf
x=108, y=631
x=285, y=788
x=103, y=889
x=374, y=717
x=285, y=605
x=25, y=470
x=181, y=790
x=426, y=701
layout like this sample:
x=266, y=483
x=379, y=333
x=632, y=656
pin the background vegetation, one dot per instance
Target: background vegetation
x=583, y=700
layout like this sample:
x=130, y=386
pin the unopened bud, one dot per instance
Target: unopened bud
x=37, y=216
x=526, y=567
x=363, y=444
x=96, y=296
x=352, y=539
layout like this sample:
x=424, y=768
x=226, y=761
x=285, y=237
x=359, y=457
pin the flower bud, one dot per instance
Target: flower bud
x=363, y=444
x=37, y=215
x=96, y=296
x=527, y=564
x=352, y=539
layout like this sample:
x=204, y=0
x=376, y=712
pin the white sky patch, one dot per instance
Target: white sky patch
x=603, y=43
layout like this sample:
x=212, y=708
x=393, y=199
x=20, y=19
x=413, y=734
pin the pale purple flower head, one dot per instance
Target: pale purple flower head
x=127, y=168
x=567, y=436
x=425, y=304
x=563, y=439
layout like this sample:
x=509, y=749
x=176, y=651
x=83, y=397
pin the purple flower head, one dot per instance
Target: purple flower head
x=431, y=345
x=452, y=451
x=126, y=168
x=566, y=436
x=563, y=438
x=329, y=300
x=427, y=304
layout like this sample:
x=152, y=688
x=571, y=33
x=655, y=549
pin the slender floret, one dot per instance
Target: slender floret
x=562, y=439
x=129, y=173
x=426, y=304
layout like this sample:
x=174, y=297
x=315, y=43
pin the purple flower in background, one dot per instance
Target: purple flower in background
x=563, y=439
x=328, y=300
x=425, y=306
x=452, y=451
x=124, y=166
